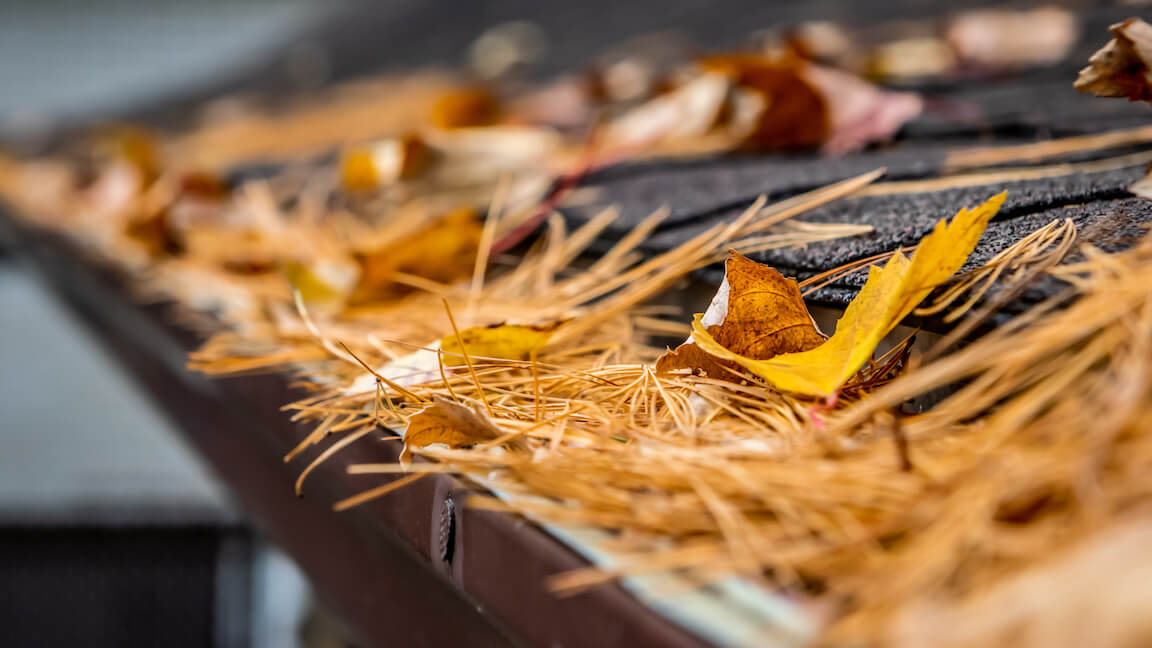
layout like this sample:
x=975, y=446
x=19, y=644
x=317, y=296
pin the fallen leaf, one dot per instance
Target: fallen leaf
x=1143, y=186
x=445, y=251
x=757, y=313
x=448, y=422
x=889, y=295
x=506, y=341
x=860, y=113
x=808, y=106
x=1122, y=67
x=795, y=114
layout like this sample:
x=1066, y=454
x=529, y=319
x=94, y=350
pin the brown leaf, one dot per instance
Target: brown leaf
x=447, y=422
x=1122, y=67
x=1007, y=38
x=795, y=114
x=756, y=310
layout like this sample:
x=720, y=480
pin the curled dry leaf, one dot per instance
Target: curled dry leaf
x=448, y=422
x=505, y=341
x=757, y=313
x=1122, y=67
x=444, y=251
x=889, y=295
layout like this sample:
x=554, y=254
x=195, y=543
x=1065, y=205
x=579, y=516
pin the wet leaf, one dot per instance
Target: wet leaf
x=889, y=295
x=757, y=313
x=507, y=341
x=447, y=422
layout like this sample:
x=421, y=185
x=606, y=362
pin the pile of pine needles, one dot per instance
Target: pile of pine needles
x=884, y=520
x=869, y=508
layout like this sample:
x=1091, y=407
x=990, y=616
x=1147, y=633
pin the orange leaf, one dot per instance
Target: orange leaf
x=757, y=313
x=1122, y=67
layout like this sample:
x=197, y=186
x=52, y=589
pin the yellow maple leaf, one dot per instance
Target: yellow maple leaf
x=889, y=295
x=506, y=341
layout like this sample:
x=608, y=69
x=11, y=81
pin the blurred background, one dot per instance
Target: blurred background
x=112, y=533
